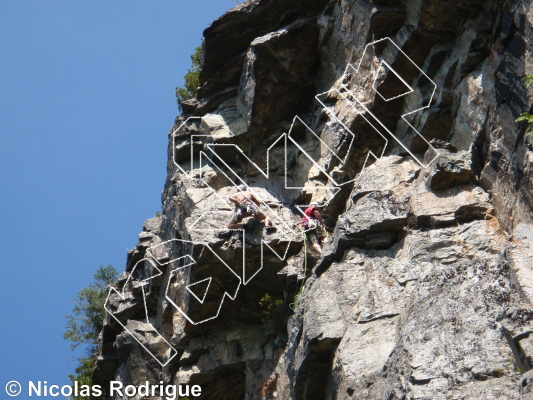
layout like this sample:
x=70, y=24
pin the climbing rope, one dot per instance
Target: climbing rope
x=292, y=306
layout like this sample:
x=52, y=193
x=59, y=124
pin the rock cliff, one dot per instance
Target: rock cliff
x=398, y=117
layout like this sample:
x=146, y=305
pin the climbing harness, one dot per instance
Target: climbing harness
x=310, y=224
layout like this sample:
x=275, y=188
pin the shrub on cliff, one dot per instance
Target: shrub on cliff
x=83, y=376
x=87, y=319
x=529, y=119
x=86, y=322
x=190, y=80
x=526, y=116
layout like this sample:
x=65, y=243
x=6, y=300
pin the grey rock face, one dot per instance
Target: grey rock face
x=449, y=170
x=521, y=258
x=278, y=74
x=424, y=288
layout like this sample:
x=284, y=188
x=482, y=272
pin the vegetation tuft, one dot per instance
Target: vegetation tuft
x=272, y=310
x=526, y=116
x=190, y=80
x=86, y=322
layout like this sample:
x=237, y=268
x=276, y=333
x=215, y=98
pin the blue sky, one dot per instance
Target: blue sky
x=86, y=102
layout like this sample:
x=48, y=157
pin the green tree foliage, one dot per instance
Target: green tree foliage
x=190, y=80
x=87, y=319
x=269, y=305
x=83, y=376
x=86, y=322
x=272, y=309
x=526, y=116
x=529, y=119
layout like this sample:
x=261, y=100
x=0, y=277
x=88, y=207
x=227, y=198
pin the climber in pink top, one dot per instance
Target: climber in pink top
x=314, y=226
